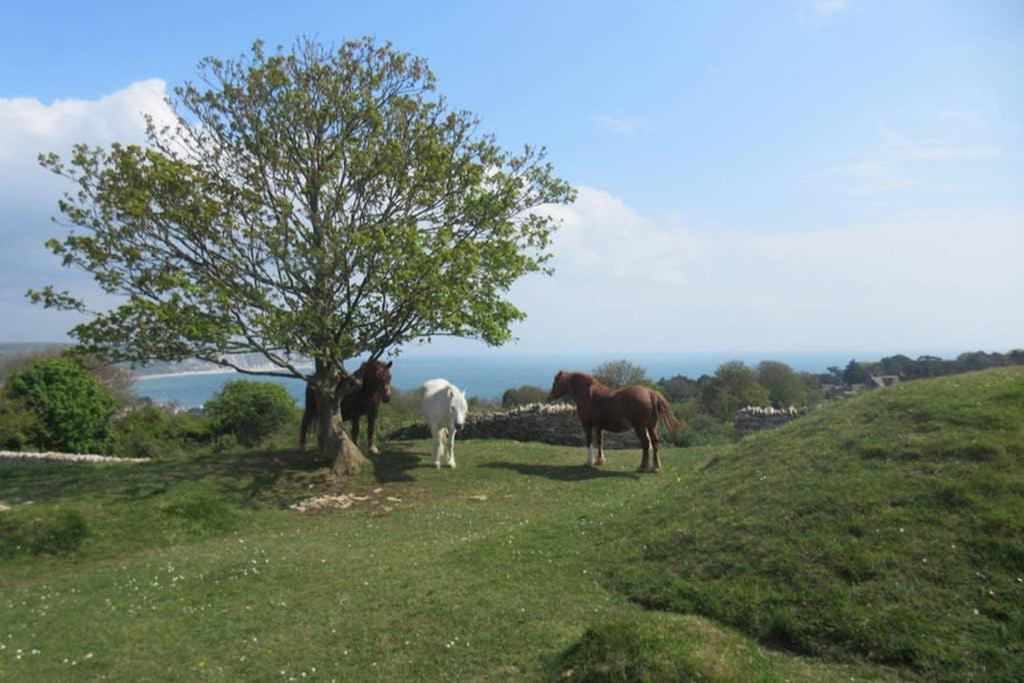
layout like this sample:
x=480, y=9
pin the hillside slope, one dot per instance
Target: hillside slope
x=888, y=527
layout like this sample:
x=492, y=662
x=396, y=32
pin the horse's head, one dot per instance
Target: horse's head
x=560, y=387
x=458, y=407
x=377, y=378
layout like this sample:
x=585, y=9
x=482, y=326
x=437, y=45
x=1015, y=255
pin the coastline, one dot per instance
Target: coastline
x=195, y=373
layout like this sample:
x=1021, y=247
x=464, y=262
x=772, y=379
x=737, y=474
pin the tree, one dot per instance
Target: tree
x=833, y=376
x=250, y=411
x=678, y=388
x=785, y=387
x=312, y=204
x=619, y=373
x=733, y=386
x=856, y=373
x=71, y=410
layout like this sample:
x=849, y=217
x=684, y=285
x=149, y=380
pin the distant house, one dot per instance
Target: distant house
x=879, y=381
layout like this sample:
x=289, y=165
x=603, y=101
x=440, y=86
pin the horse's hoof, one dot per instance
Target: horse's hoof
x=600, y=462
x=374, y=450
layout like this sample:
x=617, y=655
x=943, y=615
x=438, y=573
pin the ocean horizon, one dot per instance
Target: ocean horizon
x=488, y=377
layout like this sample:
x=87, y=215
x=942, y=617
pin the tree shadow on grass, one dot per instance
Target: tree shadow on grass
x=560, y=472
x=246, y=477
x=394, y=464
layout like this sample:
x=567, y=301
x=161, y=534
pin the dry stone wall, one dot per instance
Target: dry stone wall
x=755, y=418
x=545, y=423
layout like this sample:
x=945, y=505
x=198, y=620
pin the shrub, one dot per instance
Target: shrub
x=17, y=423
x=522, y=396
x=703, y=430
x=250, y=411
x=72, y=411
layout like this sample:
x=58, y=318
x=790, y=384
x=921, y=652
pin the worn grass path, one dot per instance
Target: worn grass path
x=195, y=569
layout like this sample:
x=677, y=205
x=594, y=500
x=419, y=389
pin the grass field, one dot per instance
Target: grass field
x=794, y=555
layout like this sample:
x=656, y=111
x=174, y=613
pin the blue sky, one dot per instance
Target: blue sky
x=811, y=174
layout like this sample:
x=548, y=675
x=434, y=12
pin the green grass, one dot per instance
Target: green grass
x=887, y=528
x=195, y=568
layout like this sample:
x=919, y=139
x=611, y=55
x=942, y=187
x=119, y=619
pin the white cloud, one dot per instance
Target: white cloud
x=829, y=8
x=895, y=161
x=621, y=126
x=630, y=282
x=28, y=127
x=29, y=193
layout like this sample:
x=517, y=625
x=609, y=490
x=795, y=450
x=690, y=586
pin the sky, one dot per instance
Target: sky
x=798, y=175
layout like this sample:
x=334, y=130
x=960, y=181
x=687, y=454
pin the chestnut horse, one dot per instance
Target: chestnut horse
x=616, y=410
x=376, y=387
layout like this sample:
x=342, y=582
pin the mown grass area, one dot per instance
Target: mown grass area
x=523, y=565
x=887, y=528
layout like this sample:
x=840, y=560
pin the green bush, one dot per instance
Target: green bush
x=17, y=423
x=250, y=411
x=72, y=412
x=151, y=431
x=522, y=396
x=703, y=430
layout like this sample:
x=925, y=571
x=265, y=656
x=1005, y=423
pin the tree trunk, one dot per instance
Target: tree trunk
x=334, y=441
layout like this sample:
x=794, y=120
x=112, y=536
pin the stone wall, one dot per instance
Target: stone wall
x=755, y=418
x=555, y=423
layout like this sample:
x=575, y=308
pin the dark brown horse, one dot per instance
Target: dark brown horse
x=616, y=410
x=376, y=387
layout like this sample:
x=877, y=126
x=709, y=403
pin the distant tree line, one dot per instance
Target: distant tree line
x=907, y=368
x=707, y=404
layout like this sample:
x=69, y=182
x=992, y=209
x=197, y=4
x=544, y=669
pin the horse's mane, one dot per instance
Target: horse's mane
x=584, y=381
x=371, y=371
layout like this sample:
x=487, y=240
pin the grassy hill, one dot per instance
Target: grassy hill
x=889, y=527
x=794, y=555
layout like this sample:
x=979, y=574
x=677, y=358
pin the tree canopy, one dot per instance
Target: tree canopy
x=316, y=203
x=619, y=373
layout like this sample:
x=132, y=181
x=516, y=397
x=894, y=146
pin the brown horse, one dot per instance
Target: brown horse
x=616, y=410
x=376, y=387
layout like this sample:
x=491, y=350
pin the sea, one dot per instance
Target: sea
x=487, y=377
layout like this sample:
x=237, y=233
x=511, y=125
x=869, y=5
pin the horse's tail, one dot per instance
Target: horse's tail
x=663, y=411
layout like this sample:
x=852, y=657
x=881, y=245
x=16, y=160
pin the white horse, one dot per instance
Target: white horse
x=444, y=406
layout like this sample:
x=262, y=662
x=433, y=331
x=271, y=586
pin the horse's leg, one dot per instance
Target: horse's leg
x=656, y=461
x=371, y=423
x=600, y=447
x=589, y=429
x=645, y=443
x=355, y=427
x=436, y=432
x=450, y=462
